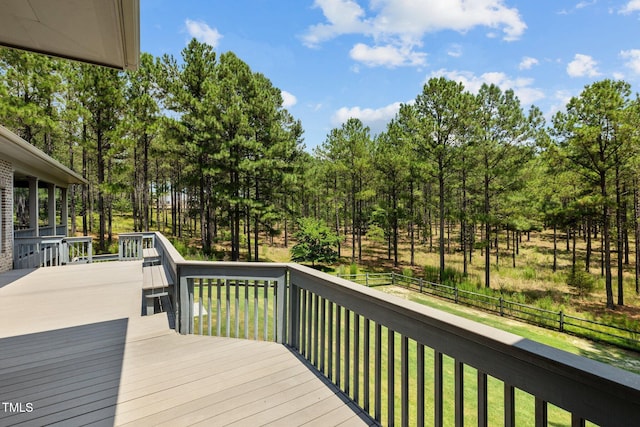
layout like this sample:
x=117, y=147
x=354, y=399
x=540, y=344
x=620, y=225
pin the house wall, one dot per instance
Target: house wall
x=6, y=215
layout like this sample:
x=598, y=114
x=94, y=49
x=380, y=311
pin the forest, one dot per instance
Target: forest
x=203, y=146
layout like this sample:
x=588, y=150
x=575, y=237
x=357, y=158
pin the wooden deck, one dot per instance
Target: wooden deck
x=74, y=350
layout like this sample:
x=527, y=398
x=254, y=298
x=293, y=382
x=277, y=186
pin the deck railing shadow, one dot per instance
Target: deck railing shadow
x=69, y=376
x=399, y=361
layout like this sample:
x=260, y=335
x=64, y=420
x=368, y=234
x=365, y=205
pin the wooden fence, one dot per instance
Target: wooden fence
x=557, y=320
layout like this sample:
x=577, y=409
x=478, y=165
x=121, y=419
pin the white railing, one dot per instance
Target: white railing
x=32, y=252
x=78, y=250
x=375, y=346
x=130, y=246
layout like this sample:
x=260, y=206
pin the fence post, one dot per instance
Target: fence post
x=420, y=281
x=455, y=293
x=366, y=279
x=561, y=321
x=501, y=306
x=393, y=278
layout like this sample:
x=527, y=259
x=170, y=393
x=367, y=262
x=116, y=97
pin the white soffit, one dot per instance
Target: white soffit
x=102, y=32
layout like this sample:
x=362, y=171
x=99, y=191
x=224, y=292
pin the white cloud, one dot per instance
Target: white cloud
x=584, y=4
x=527, y=62
x=389, y=56
x=375, y=118
x=203, y=32
x=582, y=65
x=520, y=86
x=560, y=100
x=288, y=99
x=455, y=50
x=401, y=25
x=633, y=59
x=343, y=16
x=630, y=7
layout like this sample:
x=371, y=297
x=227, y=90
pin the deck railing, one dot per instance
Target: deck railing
x=402, y=362
x=78, y=250
x=130, y=246
x=51, y=251
x=31, y=252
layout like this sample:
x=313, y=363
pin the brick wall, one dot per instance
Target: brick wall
x=6, y=216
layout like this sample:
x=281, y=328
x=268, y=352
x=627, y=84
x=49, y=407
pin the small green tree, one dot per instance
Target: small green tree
x=315, y=242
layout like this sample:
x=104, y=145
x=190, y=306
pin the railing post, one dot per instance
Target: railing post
x=366, y=279
x=280, y=313
x=561, y=321
x=501, y=306
x=293, y=335
x=420, y=281
x=183, y=305
x=455, y=293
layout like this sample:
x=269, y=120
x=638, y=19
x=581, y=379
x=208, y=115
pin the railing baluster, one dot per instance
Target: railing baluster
x=303, y=324
x=309, y=324
x=404, y=367
x=437, y=388
x=483, y=415
x=420, y=383
x=366, y=351
x=255, y=310
x=265, y=314
x=347, y=352
x=576, y=421
x=274, y=329
x=509, y=406
x=315, y=329
x=391, y=380
x=338, y=347
x=378, y=373
x=356, y=357
x=323, y=325
x=209, y=308
x=541, y=412
x=330, y=342
x=200, y=297
x=227, y=298
x=459, y=393
x=218, y=308
x=237, y=309
x=246, y=309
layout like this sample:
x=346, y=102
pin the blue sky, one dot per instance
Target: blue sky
x=335, y=59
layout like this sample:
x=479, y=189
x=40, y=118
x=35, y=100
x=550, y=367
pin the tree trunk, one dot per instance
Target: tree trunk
x=487, y=230
x=441, y=212
x=619, y=236
x=587, y=260
x=636, y=215
x=555, y=247
x=607, y=241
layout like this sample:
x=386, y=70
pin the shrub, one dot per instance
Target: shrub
x=353, y=269
x=581, y=281
x=316, y=242
x=375, y=233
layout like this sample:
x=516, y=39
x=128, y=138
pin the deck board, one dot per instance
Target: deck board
x=74, y=344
